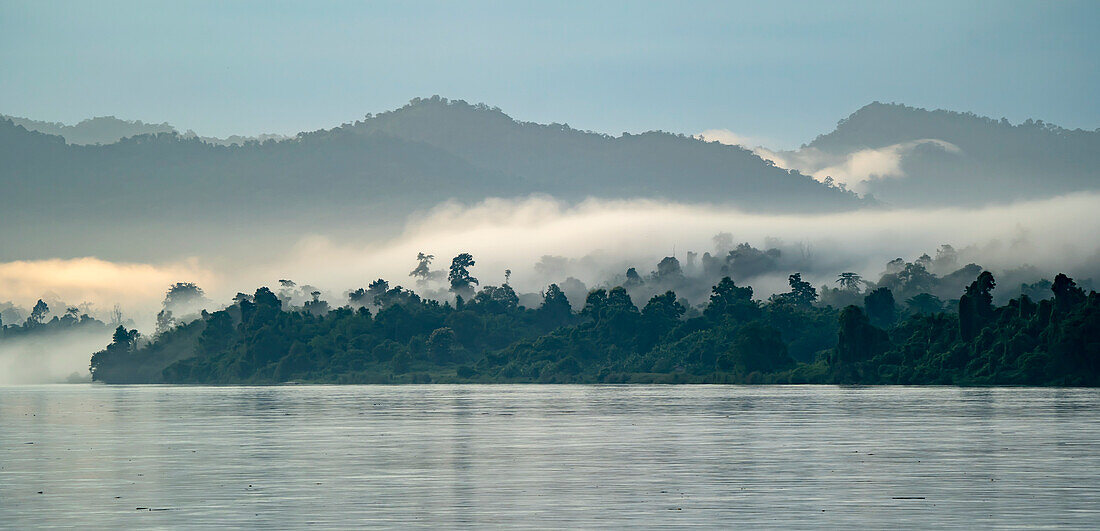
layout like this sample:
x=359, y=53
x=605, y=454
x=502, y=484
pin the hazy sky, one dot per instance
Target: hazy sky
x=780, y=72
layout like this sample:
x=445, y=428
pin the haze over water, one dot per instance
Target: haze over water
x=547, y=456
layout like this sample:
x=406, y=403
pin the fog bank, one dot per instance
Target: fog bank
x=50, y=358
x=543, y=240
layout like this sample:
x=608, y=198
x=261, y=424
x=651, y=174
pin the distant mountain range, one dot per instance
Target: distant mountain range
x=108, y=130
x=914, y=157
x=371, y=173
x=68, y=186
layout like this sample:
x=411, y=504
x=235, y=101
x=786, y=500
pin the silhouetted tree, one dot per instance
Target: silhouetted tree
x=422, y=273
x=849, y=281
x=802, y=293
x=38, y=314
x=924, y=304
x=881, y=308
x=459, y=275
x=858, y=341
x=976, y=305
x=555, y=309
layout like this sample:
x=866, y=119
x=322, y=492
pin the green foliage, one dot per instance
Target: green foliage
x=734, y=339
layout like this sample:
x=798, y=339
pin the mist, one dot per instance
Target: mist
x=56, y=357
x=597, y=238
x=543, y=240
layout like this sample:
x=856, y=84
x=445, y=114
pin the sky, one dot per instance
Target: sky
x=778, y=73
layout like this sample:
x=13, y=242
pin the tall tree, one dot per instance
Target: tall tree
x=849, y=281
x=459, y=276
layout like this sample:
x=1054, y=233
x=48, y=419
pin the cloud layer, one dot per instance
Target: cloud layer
x=592, y=240
x=855, y=169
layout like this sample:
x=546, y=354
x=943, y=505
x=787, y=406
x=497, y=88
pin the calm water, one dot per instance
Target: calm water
x=548, y=456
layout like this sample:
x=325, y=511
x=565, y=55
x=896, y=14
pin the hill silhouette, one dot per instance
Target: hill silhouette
x=951, y=158
x=375, y=172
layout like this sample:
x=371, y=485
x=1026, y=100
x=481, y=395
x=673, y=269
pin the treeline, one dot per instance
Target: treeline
x=392, y=335
x=40, y=321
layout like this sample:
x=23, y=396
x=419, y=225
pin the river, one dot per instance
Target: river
x=534, y=456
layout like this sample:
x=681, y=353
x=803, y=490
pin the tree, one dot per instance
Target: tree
x=924, y=304
x=727, y=299
x=668, y=270
x=217, y=334
x=183, y=294
x=497, y=300
x=459, y=275
x=759, y=347
x=124, y=339
x=422, y=273
x=287, y=289
x=849, y=281
x=441, y=344
x=376, y=291
x=594, y=304
x=315, y=305
x=1066, y=293
x=976, y=306
x=857, y=340
x=802, y=294
x=662, y=312
x=881, y=309
x=71, y=316
x=38, y=314
x=555, y=309
x=914, y=278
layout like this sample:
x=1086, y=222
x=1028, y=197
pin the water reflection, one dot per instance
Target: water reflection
x=547, y=456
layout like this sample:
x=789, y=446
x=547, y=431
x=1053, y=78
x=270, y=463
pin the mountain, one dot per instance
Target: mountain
x=568, y=163
x=108, y=130
x=907, y=156
x=170, y=191
x=98, y=130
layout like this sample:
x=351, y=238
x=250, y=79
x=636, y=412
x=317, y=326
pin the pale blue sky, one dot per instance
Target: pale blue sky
x=781, y=72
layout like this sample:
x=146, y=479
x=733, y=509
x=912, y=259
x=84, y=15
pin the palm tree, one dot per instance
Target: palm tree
x=849, y=281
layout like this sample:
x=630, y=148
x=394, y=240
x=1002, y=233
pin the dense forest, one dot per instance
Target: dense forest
x=893, y=331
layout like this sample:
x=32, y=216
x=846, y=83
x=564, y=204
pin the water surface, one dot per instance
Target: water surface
x=547, y=456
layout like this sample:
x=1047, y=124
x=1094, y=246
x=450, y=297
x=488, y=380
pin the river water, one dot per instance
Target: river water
x=530, y=456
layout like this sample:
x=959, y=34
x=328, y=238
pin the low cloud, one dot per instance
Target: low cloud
x=725, y=136
x=596, y=239
x=543, y=240
x=50, y=358
x=855, y=169
x=137, y=287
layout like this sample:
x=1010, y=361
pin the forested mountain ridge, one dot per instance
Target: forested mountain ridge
x=569, y=163
x=98, y=130
x=388, y=161
x=109, y=129
x=947, y=157
x=373, y=174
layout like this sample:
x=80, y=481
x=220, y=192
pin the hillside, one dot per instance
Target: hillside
x=108, y=130
x=163, y=188
x=973, y=160
x=98, y=130
x=569, y=163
